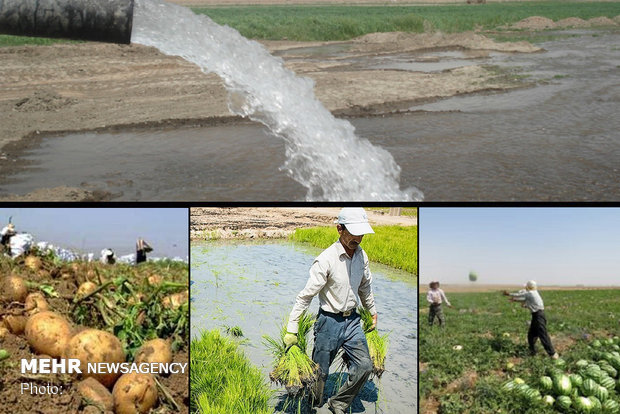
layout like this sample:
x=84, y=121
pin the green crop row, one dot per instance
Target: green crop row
x=395, y=246
x=343, y=22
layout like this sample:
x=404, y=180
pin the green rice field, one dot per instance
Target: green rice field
x=395, y=246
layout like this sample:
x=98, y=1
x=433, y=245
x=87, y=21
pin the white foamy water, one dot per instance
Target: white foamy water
x=322, y=152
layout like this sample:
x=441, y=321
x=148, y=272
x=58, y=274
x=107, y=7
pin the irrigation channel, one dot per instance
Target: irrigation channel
x=253, y=285
x=556, y=141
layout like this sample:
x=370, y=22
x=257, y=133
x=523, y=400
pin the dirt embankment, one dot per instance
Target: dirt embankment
x=271, y=223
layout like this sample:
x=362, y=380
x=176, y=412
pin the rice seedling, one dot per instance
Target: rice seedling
x=377, y=344
x=293, y=367
x=223, y=380
x=234, y=331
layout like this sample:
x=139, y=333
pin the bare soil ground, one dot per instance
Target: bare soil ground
x=249, y=223
x=77, y=87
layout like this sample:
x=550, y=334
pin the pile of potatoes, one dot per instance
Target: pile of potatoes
x=51, y=335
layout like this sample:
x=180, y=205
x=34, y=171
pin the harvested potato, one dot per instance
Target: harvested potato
x=156, y=350
x=35, y=303
x=48, y=333
x=134, y=393
x=95, y=393
x=175, y=300
x=155, y=279
x=93, y=345
x=85, y=289
x=16, y=324
x=33, y=263
x=13, y=288
x=3, y=332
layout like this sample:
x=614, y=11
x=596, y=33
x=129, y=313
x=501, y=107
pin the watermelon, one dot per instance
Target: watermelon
x=615, y=362
x=533, y=395
x=608, y=383
x=546, y=383
x=522, y=389
x=596, y=343
x=596, y=404
x=509, y=386
x=615, y=347
x=576, y=380
x=554, y=372
x=560, y=363
x=601, y=393
x=548, y=400
x=562, y=385
x=609, y=341
x=518, y=381
x=563, y=403
x=582, y=363
x=588, y=387
x=610, y=370
x=607, y=356
x=611, y=407
x=583, y=404
x=593, y=371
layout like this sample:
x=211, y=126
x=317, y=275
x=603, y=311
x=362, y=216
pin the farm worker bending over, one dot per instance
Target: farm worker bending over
x=107, y=256
x=341, y=277
x=6, y=233
x=538, y=327
x=142, y=248
x=435, y=297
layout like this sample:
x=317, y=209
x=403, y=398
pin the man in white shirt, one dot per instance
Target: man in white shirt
x=435, y=297
x=531, y=299
x=341, y=278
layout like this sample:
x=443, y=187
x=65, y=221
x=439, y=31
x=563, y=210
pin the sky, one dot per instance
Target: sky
x=553, y=246
x=93, y=229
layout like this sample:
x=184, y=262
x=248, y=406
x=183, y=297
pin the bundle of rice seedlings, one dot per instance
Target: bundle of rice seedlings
x=223, y=380
x=293, y=367
x=377, y=344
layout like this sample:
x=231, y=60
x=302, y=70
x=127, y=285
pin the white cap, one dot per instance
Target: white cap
x=356, y=220
x=531, y=284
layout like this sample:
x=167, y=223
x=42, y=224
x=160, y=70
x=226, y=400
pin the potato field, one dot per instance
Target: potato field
x=480, y=361
x=93, y=312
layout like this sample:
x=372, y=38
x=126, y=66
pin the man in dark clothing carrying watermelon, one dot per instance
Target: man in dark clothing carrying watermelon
x=538, y=327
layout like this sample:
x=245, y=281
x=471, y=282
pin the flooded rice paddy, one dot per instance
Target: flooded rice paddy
x=556, y=141
x=254, y=285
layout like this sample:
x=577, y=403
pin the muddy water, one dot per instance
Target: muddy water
x=253, y=286
x=557, y=141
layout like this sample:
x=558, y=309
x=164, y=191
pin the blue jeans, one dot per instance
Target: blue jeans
x=332, y=332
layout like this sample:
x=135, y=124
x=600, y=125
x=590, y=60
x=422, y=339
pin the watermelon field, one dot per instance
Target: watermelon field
x=480, y=361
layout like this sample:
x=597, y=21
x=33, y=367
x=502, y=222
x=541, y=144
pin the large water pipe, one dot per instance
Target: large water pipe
x=98, y=20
